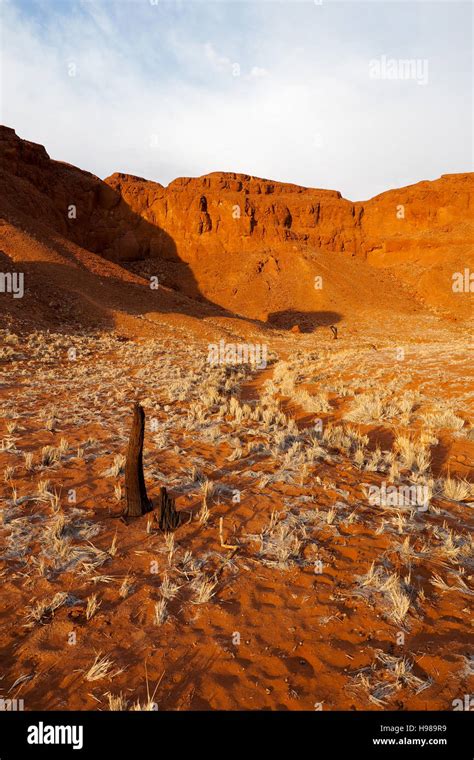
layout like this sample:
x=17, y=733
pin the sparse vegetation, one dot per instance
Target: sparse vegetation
x=274, y=517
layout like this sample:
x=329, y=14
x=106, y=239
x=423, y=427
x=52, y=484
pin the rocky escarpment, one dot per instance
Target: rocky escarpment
x=269, y=236
x=236, y=211
x=70, y=202
x=127, y=217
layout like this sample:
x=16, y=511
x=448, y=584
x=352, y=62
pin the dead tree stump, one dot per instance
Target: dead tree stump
x=169, y=517
x=138, y=502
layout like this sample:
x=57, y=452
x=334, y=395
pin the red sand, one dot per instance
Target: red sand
x=237, y=258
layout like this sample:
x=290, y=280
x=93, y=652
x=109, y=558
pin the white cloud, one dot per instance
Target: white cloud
x=163, y=100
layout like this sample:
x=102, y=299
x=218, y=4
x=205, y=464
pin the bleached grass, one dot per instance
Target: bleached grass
x=101, y=668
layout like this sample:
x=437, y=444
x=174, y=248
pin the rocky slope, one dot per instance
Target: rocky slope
x=259, y=249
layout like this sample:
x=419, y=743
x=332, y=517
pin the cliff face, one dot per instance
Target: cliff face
x=72, y=202
x=424, y=234
x=235, y=232
x=231, y=210
x=236, y=211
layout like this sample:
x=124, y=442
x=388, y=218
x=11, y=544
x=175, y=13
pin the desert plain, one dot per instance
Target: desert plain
x=303, y=363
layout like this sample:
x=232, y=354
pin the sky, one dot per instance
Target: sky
x=355, y=96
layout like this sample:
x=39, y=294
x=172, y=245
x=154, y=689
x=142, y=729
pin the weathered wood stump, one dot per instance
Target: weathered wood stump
x=138, y=502
x=169, y=518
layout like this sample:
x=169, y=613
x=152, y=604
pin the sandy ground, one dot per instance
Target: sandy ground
x=285, y=587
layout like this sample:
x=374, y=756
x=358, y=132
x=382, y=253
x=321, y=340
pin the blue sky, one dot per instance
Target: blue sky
x=274, y=89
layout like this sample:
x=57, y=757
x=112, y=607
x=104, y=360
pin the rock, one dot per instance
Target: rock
x=211, y=233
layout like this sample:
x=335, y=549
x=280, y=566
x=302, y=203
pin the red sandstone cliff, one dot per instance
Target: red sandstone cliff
x=251, y=245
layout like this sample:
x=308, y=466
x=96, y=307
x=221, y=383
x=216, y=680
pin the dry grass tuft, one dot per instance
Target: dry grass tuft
x=45, y=609
x=101, y=668
x=456, y=490
x=160, y=614
x=204, y=590
x=92, y=606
